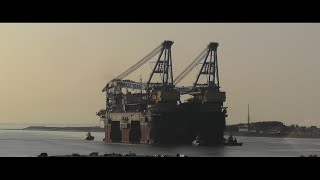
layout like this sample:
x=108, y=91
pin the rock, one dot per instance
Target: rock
x=43, y=155
x=94, y=154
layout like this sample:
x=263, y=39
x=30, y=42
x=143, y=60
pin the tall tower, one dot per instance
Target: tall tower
x=209, y=68
x=163, y=66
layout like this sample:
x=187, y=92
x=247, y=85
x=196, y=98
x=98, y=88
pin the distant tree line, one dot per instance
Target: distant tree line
x=259, y=126
x=276, y=127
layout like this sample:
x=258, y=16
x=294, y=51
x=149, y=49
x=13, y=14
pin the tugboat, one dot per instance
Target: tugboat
x=199, y=142
x=232, y=142
x=89, y=137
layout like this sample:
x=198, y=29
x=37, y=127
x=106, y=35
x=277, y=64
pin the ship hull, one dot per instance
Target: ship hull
x=170, y=124
x=186, y=123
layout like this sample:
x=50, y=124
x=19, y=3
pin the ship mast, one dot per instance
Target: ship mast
x=140, y=83
x=248, y=119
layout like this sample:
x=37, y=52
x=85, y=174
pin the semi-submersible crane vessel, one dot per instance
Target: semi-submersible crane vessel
x=152, y=112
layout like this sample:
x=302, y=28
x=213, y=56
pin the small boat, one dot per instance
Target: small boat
x=199, y=142
x=232, y=142
x=89, y=137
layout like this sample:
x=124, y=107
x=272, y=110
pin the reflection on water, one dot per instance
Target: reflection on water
x=32, y=143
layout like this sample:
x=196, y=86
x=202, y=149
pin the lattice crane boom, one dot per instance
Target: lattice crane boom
x=163, y=66
x=189, y=68
x=139, y=63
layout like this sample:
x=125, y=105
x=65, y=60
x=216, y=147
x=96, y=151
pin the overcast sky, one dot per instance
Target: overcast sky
x=54, y=73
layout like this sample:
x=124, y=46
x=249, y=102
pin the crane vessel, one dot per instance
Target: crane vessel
x=151, y=112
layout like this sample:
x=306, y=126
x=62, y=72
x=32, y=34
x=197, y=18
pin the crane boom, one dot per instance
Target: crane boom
x=191, y=66
x=164, y=47
x=139, y=63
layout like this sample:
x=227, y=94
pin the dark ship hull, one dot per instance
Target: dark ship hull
x=167, y=123
x=187, y=121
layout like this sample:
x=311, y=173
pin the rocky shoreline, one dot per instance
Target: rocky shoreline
x=96, y=154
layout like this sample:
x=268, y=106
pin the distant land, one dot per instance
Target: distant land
x=256, y=129
x=272, y=129
x=78, y=129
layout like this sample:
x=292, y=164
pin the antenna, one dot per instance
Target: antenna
x=248, y=118
x=141, y=83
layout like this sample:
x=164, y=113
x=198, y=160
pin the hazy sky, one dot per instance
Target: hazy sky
x=54, y=73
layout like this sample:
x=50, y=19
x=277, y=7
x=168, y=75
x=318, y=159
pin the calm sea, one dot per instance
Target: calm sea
x=22, y=143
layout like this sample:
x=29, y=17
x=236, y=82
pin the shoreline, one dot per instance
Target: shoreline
x=95, y=129
x=272, y=136
x=68, y=129
x=47, y=130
